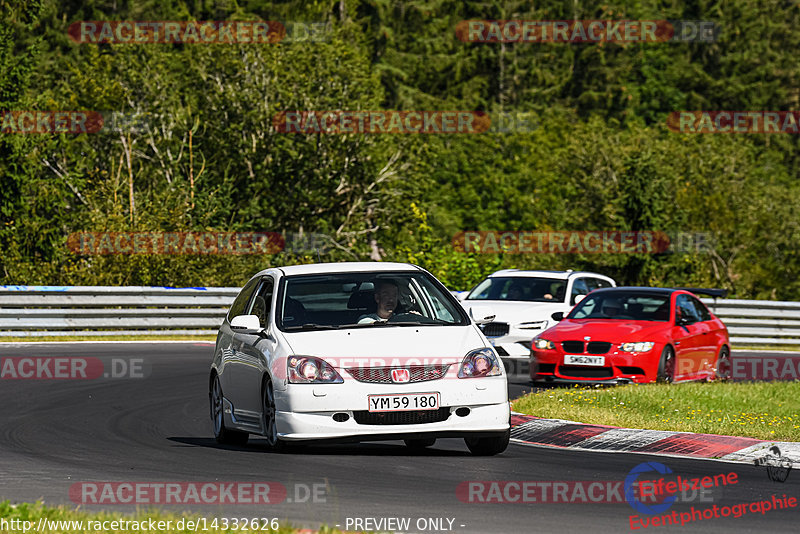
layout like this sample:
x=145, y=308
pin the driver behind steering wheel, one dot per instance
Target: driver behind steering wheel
x=386, y=298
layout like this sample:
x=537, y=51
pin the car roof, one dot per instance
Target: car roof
x=640, y=289
x=345, y=267
x=560, y=275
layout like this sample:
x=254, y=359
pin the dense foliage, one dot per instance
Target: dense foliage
x=600, y=156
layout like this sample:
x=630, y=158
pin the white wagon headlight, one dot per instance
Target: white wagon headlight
x=311, y=370
x=479, y=363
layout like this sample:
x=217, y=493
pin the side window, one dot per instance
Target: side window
x=238, y=306
x=578, y=288
x=686, y=307
x=597, y=283
x=702, y=311
x=262, y=304
x=587, y=307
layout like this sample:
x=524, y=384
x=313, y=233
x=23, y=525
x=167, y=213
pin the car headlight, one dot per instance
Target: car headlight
x=534, y=325
x=479, y=363
x=543, y=344
x=640, y=346
x=311, y=370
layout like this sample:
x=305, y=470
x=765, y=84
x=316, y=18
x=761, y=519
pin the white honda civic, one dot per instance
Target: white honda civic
x=356, y=352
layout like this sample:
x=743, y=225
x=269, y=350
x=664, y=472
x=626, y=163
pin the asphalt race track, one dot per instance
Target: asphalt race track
x=156, y=428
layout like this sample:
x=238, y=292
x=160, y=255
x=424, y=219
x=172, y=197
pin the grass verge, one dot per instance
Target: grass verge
x=763, y=410
x=25, y=517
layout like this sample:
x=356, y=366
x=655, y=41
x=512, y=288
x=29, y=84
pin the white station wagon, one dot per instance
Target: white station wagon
x=356, y=352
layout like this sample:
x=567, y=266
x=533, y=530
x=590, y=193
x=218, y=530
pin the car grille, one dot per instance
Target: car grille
x=495, y=329
x=598, y=347
x=585, y=372
x=573, y=347
x=383, y=375
x=593, y=347
x=412, y=417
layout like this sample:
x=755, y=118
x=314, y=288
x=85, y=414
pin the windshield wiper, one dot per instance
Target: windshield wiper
x=421, y=323
x=362, y=325
x=313, y=326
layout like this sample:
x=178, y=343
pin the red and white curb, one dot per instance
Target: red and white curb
x=529, y=430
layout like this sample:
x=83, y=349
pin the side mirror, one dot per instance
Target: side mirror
x=557, y=316
x=482, y=314
x=246, y=324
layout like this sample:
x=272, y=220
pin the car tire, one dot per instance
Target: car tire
x=222, y=435
x=722, y=370
x=489, y=446
x=419, y=444
x=666, y=366
x=274, y=443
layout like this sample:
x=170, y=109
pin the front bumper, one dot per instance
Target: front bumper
x=488, y=419
x=306, y=411
x=619, y=367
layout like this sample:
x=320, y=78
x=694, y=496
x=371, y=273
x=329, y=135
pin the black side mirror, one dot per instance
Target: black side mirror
x=557, y=316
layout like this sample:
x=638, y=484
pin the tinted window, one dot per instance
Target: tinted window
x=625, y=306
x=596, y=283
x=701, y=309
x=519, y=288
x=342, y=300
x=579, y=287
x=238, y=306
x=262, y=304
x=686, y=308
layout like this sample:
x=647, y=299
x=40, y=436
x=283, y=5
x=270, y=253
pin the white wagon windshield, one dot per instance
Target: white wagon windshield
x=365, y=300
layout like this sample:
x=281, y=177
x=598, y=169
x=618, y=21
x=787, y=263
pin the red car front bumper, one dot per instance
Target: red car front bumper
x=617, y=367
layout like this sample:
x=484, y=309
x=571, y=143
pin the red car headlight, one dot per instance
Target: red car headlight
x=311, y=370
x=639, y=346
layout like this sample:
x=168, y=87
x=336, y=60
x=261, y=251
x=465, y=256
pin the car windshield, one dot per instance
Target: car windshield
x=366, y=300
x=519, y=288
x=617, y=305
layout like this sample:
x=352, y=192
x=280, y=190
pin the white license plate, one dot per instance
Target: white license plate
x=402, y=403
x=573, y=359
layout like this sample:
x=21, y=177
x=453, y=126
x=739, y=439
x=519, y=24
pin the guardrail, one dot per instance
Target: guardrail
x=36, y=311
x=759, y=322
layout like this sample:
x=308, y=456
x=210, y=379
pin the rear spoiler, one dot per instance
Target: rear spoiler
x=716, y=293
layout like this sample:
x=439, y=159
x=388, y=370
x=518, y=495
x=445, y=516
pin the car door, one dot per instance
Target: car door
x=688, y=338
x=710, y=337
x=254, y=353
x=227, y=342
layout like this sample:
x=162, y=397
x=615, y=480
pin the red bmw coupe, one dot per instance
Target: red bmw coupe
x=633, y=334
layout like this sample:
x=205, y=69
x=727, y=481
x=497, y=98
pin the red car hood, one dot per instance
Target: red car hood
x=605, y=330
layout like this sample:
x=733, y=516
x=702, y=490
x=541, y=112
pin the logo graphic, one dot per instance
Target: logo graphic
x=631, y=483
x=587, y=338
x=778, y=467
x=400, y=376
